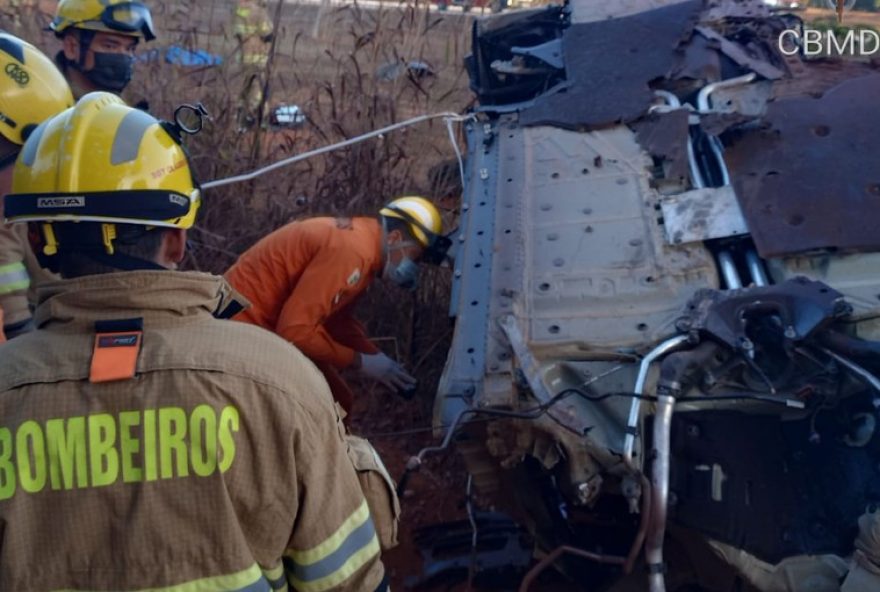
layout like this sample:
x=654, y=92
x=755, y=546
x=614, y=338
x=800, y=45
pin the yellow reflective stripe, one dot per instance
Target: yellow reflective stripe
x=13, y=277
x=335, y=540
x=249, y=580
x=357, y=561
x=276, y=577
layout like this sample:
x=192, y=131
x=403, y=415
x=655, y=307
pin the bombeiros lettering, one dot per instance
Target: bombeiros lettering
x=100, y=450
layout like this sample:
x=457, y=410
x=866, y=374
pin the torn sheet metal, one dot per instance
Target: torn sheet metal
x=664, y=136
x=699, y=61
x=739, y=55
x=588, y=11
x=723, y=9
x=702, y=214
x=599, y=92
x=807, y=179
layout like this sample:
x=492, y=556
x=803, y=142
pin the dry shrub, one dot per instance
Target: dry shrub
x=329, y=60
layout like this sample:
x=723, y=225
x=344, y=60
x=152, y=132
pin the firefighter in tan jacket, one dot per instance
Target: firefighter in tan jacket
x=254, y=31
x=145, y=444
x=31, y=90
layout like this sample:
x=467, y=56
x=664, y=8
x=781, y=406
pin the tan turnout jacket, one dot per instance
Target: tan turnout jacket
x=17, y=266
x=220, y=465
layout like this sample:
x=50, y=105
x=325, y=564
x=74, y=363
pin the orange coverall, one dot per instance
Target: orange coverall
x=303, y=281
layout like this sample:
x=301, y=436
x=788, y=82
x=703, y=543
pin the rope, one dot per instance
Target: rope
x=448, y=116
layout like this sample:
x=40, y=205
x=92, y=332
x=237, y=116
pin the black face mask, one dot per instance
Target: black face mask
x=112, y=71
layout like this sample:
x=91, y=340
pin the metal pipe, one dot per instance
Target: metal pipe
x=659, y=492
x=704, y=105
x=636, y=406
x=639, y=541
x=728, y=271
x=872, y=380
x=559, y=552
x=669, y=97
x=696, y=174
x=756, y=269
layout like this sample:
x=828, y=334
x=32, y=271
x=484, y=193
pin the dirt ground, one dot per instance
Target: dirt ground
x=435, y=494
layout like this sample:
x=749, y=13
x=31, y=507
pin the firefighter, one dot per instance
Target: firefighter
x=99, y=38
x=305, y=278
x=144, y=443
x=254, y=31
x=31, y=91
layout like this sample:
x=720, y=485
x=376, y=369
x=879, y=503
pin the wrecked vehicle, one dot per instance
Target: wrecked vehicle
x=667, y=296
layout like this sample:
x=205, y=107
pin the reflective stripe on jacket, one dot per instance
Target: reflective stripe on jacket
x=251, y=25
x=20, y=274
x=303, y=281
x=14, y=278
x=219, y=463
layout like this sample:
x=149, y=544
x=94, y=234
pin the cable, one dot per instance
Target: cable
x=594, y=399
x=448, y=116
x=456, y=148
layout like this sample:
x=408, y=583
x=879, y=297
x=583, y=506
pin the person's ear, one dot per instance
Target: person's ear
x=395, y=236
x=173, y=248
x=70, y=45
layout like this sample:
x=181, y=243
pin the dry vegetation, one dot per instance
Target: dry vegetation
x=326, y=60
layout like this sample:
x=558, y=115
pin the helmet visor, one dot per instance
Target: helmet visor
x=129, y=17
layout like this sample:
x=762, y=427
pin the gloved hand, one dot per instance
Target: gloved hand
x=382, y=368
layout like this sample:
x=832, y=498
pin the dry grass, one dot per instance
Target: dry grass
x=326, y=60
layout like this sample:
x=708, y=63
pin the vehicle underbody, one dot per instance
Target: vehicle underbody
x=666, y=295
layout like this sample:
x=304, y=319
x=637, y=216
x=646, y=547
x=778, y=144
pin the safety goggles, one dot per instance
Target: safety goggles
x=128, y=18
x=438, y=245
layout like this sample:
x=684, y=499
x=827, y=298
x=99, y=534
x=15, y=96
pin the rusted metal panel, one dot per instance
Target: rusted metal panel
x=664, y=136
x=699, y=61
x=808, y=178
x=600, y=92
x=744, y=9
x=739, y=55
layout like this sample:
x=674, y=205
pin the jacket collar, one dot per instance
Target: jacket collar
x=159, y=297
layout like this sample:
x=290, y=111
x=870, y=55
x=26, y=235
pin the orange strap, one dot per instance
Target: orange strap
x=115, y=356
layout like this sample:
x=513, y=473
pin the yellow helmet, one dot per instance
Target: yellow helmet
x=102, y=161
x=106, y=16
x=421, y=215
x=425, y=225
x=31, y=91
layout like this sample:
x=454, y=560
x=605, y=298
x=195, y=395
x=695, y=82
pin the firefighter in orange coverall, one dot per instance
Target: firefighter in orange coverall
x=304, y=279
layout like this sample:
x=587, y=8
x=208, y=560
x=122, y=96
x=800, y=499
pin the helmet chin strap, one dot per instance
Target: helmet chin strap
x=85, y=38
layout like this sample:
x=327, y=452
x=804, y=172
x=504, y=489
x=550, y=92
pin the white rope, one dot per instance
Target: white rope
x=448, y=116
x=455, y=147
